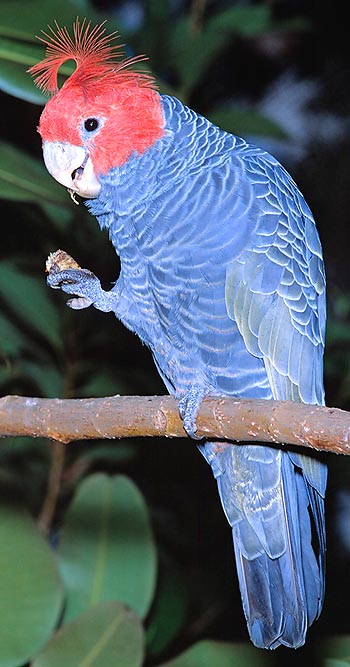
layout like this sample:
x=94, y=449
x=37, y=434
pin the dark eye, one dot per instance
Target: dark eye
x=91, y=124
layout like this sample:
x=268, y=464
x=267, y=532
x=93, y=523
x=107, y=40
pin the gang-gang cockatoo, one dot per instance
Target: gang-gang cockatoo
x=222, y=277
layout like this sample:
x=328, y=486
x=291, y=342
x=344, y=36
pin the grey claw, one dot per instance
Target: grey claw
x=84, y=286
x=79, y=303
x=80, y=282
x=189, y=406
x=69, y=277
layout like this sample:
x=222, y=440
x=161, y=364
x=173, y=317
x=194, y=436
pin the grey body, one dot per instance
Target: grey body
x=222, y=277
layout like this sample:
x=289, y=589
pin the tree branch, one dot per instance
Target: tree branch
x=252, y=420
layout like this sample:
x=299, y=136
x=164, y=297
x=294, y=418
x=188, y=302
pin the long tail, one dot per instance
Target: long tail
x=278, y=529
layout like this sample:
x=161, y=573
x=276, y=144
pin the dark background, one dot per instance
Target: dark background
x=283, y=85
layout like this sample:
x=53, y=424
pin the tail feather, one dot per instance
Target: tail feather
x=272, y=610
x=281, y=595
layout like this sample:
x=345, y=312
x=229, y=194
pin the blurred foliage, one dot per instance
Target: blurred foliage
x=137, y=560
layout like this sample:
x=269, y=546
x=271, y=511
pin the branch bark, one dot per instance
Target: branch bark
x=243, y=420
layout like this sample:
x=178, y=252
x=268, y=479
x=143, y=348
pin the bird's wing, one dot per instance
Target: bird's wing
x=275, y=291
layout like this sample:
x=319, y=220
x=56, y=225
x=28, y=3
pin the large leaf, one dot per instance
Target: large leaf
x=15, y=58
x=20, y=22
x=29, y=298
x=169, y=610
x=24, y=19
x=107, y=550
x=31, y=592
x=107, y=635
x=220, y=654
x=192, y=52
x=22, y=178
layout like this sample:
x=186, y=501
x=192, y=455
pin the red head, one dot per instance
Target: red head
x=103, y=113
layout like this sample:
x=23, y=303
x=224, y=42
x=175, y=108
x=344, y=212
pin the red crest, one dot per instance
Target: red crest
x=94, y=53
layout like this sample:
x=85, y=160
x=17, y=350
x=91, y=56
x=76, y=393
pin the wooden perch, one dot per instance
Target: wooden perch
x=66, y=420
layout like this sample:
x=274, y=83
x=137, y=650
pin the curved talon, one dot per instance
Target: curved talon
x=189, y=406
x=79, y=303
x=190, y=427
x=84, y=286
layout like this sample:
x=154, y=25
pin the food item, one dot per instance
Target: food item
x=60, y=261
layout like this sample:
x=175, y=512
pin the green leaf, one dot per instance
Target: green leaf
x=192, y=52
x=15, y=58
x=31, y=593
x=11, y=339
x=47, y=378
x=20, y=23
x=24, y=19
x=28, y=296
x=22, y=178
x=169, y=610
x=108, y=635
x=336, y=651
x=246, y=121
x=244, y=20
x=107, y=549
x=210, y=653
x=59, y=215
x=15, y=81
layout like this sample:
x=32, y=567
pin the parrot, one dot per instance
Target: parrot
x=221, y=276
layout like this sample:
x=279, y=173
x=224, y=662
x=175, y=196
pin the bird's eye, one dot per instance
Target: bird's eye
x=91, y=124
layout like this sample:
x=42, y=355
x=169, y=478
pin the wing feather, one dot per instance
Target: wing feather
x=275, y=292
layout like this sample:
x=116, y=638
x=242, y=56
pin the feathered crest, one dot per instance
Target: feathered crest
x=93, y=52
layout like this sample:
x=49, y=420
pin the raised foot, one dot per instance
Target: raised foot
x=84, y=285
x=189, y=406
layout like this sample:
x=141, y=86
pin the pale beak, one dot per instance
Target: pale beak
x=72, y=167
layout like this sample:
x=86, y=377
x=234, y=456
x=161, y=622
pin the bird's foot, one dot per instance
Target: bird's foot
x=84, y=285
x=189, y=406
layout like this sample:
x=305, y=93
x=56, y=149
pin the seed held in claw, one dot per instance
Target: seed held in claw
x=59, y=261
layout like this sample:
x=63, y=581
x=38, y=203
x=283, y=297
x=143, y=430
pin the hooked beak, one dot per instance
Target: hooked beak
x=72, y=167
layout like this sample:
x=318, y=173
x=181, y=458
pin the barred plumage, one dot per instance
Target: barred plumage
x=223, y=275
